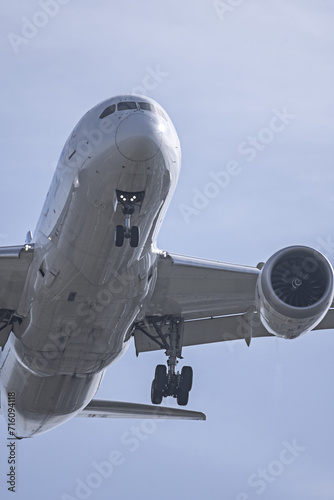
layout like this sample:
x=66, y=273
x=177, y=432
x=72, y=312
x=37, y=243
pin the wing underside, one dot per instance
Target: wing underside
x=199, y=288
x=214, y=300
x=14, y=265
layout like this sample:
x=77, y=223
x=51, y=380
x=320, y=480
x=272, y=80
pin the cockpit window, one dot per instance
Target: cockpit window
x=123, y=106
x=161, y=114
x=108, y=111
x=146, y=106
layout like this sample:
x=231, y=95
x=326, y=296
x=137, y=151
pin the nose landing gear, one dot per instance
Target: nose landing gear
x=128, y=201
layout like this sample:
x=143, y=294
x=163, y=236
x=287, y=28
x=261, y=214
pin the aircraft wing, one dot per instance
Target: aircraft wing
x=215, y=300
x=116, y=409
x=14, y=265
x=99, y=408
x=198, y=288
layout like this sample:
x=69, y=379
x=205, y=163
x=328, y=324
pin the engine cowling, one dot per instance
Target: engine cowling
x=294, y=291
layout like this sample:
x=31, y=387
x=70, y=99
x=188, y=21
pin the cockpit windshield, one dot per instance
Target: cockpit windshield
x=123, y=106
x=146, y=106
x=108, y=111
x=128, y=105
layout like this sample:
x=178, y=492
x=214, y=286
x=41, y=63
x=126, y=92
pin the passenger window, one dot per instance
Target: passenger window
x=146, y=106
x=123, y=106
x=108, y=111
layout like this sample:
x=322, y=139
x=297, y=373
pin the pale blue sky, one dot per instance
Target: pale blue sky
x=222, y=79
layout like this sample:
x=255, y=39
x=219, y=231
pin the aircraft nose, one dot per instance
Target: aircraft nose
x=138, y=137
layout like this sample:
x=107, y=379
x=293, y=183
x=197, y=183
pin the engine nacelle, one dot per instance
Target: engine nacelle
x=294, y=291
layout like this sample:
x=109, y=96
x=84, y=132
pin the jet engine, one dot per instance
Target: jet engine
x=294, y=291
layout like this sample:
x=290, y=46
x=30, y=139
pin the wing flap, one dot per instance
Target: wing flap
x=206, y=331
x=98, y=408
x=218, y=329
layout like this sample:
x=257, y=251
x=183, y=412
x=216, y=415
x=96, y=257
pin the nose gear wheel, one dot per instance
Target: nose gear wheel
x=129, y=201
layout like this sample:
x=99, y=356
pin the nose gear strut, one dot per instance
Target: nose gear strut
x=128, y=201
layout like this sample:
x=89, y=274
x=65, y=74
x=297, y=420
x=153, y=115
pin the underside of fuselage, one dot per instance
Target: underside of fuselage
x=41, y=403
x=92, y=271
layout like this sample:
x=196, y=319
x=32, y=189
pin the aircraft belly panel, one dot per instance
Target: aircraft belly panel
x=42, y=403
x=74, y=326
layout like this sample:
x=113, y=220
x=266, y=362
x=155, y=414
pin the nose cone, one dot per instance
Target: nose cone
x=138, y=137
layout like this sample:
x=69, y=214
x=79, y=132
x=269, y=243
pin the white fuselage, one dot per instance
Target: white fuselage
x=83, y=293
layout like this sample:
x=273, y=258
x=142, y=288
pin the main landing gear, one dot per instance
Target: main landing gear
x=128, y=201
x=168, y=382
x=173, y=384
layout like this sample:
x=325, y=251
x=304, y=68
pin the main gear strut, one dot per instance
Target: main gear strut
x=168, y=382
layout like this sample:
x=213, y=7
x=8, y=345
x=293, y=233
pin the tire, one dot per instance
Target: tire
x=186, y=378
x=119, y=236
x=182, y=397
x=134, y=238
x=156, y=396
x=160, y=377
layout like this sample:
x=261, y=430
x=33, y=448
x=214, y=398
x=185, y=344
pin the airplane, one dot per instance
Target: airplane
x=91, y=279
